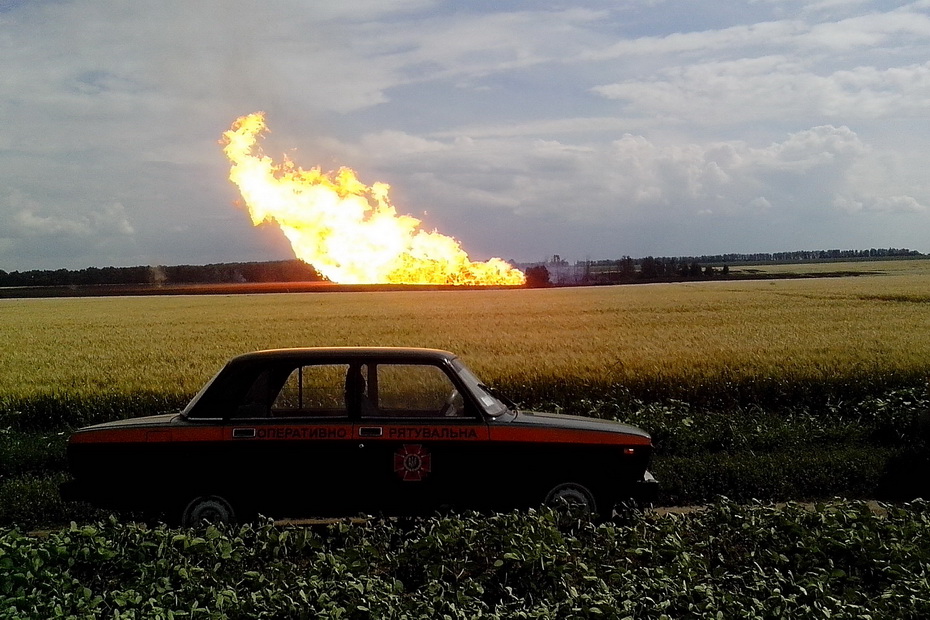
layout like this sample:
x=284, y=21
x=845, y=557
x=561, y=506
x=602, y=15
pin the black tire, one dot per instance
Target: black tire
x=207, y=508
x=571, y=496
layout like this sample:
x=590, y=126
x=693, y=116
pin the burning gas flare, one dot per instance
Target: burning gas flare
x=348, y=231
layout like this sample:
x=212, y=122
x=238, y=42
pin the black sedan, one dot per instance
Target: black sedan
x=336, y=431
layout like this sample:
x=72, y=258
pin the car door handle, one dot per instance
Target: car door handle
x=243, y=433
x=370, y=431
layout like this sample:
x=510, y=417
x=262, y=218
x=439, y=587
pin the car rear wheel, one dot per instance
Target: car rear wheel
x=571, y=496
x=207, y=508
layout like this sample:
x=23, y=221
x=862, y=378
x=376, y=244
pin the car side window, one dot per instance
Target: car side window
x=257, y=398
x=312, y=391
x=416, y=390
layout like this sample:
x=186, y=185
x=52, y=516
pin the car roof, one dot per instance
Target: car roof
x=308, y=353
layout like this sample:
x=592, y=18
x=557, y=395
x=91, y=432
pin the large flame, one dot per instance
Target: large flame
x=348, y=231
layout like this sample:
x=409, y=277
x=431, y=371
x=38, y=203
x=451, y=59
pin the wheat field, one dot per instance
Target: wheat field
x=686, y=334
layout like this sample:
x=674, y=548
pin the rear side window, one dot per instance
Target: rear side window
x=317, y=390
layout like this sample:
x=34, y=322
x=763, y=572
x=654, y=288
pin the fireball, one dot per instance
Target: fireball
x=350, y=232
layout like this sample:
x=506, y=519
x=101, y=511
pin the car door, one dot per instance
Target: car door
x=418, y=436
x=294, y=442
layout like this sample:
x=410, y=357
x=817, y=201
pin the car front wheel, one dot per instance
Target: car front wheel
x=209, y=508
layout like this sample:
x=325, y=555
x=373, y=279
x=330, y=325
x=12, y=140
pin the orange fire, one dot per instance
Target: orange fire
x=348, y=231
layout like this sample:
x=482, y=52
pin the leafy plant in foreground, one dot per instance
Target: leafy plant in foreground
x=845, y=559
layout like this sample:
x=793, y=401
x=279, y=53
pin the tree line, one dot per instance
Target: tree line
x=554, y=271
x=803, y=255
x=667, y=269
x=217, y=273
x=651, y=269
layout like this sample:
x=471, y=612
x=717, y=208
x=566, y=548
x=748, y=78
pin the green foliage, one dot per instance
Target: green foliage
x=852, y=472
x=33, y=501
x=25, y=452
x=728, y=392
x=43, y=413
x=843, y=559
x=871, y=446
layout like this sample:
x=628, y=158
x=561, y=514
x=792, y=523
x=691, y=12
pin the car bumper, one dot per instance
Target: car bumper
x=646, y=491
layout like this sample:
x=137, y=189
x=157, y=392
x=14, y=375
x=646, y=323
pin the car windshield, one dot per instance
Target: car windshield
x=491, y=404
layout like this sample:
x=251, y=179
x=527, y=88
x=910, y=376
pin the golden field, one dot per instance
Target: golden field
x=813, y=329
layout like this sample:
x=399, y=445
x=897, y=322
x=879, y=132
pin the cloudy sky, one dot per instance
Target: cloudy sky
x=588, y=129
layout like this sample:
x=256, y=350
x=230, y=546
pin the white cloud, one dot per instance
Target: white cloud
x=29, y=224
x=399, y=143
x=817, y=147
x=548, y=127
x=869, y=30
x=883, y=204
x=112, y=219
x=467, y=46
x=760, y=203
x=772, y=88
x=634, y=177
x=31, y=221
x=809, y=31
x=27, y=216
x=759, y=35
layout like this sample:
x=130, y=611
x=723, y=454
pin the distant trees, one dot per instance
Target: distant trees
x=273, y=271
x=627, y=270
x=623, y=270
x=537, y=277
x=804, y=255
x=650, y=269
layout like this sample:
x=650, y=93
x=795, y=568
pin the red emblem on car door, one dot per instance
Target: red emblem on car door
x=412, y=462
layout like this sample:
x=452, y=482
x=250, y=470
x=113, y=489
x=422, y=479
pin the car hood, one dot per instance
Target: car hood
x=575, y=422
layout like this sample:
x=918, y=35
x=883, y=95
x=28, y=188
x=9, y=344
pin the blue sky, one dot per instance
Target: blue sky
x=523, y=129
